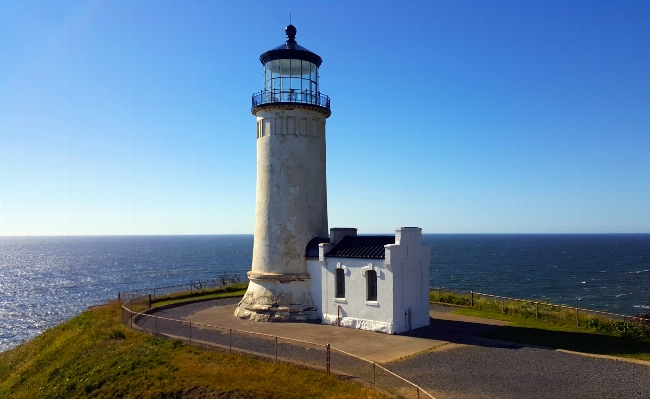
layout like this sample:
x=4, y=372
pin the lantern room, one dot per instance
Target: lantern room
x=290, y=75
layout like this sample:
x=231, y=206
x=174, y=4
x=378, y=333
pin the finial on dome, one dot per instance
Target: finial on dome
x=291, y=33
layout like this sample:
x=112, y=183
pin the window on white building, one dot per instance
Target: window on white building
x=340, y=283
x=371, y=278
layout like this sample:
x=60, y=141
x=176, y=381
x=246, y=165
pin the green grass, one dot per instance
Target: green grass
x=551, y=326
x=233, y=290
x=93, y=355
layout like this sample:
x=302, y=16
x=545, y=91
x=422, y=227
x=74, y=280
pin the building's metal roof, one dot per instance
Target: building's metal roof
x=311, y=251
x=371, y=247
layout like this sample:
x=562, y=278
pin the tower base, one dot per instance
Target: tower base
x=277, y=297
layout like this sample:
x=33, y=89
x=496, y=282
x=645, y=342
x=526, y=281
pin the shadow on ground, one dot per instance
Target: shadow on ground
x=448, y=330
x=462, y=332
x=580, y=342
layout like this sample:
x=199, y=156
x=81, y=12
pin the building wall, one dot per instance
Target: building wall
x=402, y=286
x=409, y=261
x=355, y=310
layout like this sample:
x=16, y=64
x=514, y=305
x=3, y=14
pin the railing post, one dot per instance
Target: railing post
x=328, y=359
x=276, y=348
x=472, y=301
x=230, y=342
x=119, y=296
x=418, y=389
x=149, y=303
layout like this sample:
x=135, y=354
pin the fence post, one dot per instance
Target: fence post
x=472, y=301
x=327, y=359
x=374, y=377
x=191, y=287
x=537, y=309
x=230, y=342
x=149, y=304
x=418, y=389
x=276, y=348
x=154, y=294
x=119, y=296
x=503, y=306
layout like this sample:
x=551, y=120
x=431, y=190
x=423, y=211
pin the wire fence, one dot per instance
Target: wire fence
x=607, y=322
x=190, y=287
x=272, y=347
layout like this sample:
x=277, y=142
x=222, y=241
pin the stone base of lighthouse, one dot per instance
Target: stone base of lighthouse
x=277, y=297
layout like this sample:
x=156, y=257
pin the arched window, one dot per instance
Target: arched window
x=340, y=283
x=371, y=278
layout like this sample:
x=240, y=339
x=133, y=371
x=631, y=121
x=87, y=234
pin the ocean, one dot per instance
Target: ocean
x=45, y=280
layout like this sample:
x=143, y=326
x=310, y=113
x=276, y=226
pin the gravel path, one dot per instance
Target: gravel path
x=471, y=368
x=477, y=369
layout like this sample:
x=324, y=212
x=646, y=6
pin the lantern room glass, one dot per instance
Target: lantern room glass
x=291, y=80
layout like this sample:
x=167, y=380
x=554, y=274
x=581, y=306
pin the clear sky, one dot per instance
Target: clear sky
x=133, y=117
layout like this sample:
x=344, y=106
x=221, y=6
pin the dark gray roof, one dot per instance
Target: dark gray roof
x=371, y=247
x=312, y=247
x=289, y=46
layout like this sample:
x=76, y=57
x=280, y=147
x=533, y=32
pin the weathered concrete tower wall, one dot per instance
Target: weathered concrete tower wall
x=291, y=206
x=291, y=209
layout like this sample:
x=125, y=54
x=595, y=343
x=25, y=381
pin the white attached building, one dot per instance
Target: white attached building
x=376, y=283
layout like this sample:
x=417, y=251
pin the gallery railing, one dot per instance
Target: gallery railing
x=290, y=96
x=272, y=347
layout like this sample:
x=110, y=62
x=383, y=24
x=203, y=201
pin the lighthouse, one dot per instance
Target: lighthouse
x=291, y=190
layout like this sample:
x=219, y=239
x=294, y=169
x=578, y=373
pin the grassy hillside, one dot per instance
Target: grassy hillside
x=93, y=355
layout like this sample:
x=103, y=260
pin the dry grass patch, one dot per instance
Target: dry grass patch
x=93, y=355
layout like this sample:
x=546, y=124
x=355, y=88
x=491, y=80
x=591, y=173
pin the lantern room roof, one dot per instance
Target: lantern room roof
x=291, y=50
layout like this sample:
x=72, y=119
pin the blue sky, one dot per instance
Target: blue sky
x=124, y=117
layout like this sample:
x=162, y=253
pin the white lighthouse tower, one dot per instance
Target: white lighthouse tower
x=291, y=194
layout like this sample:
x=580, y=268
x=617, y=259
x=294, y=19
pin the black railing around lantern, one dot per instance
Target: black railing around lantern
x=291, y=96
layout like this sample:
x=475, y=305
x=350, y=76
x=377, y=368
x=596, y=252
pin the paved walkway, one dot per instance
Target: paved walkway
x=377, y=347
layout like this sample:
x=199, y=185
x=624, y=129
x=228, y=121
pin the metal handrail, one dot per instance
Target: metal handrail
x=385, y=369
x=290, y=96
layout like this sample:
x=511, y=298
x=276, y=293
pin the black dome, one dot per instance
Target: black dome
x=291, y=50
